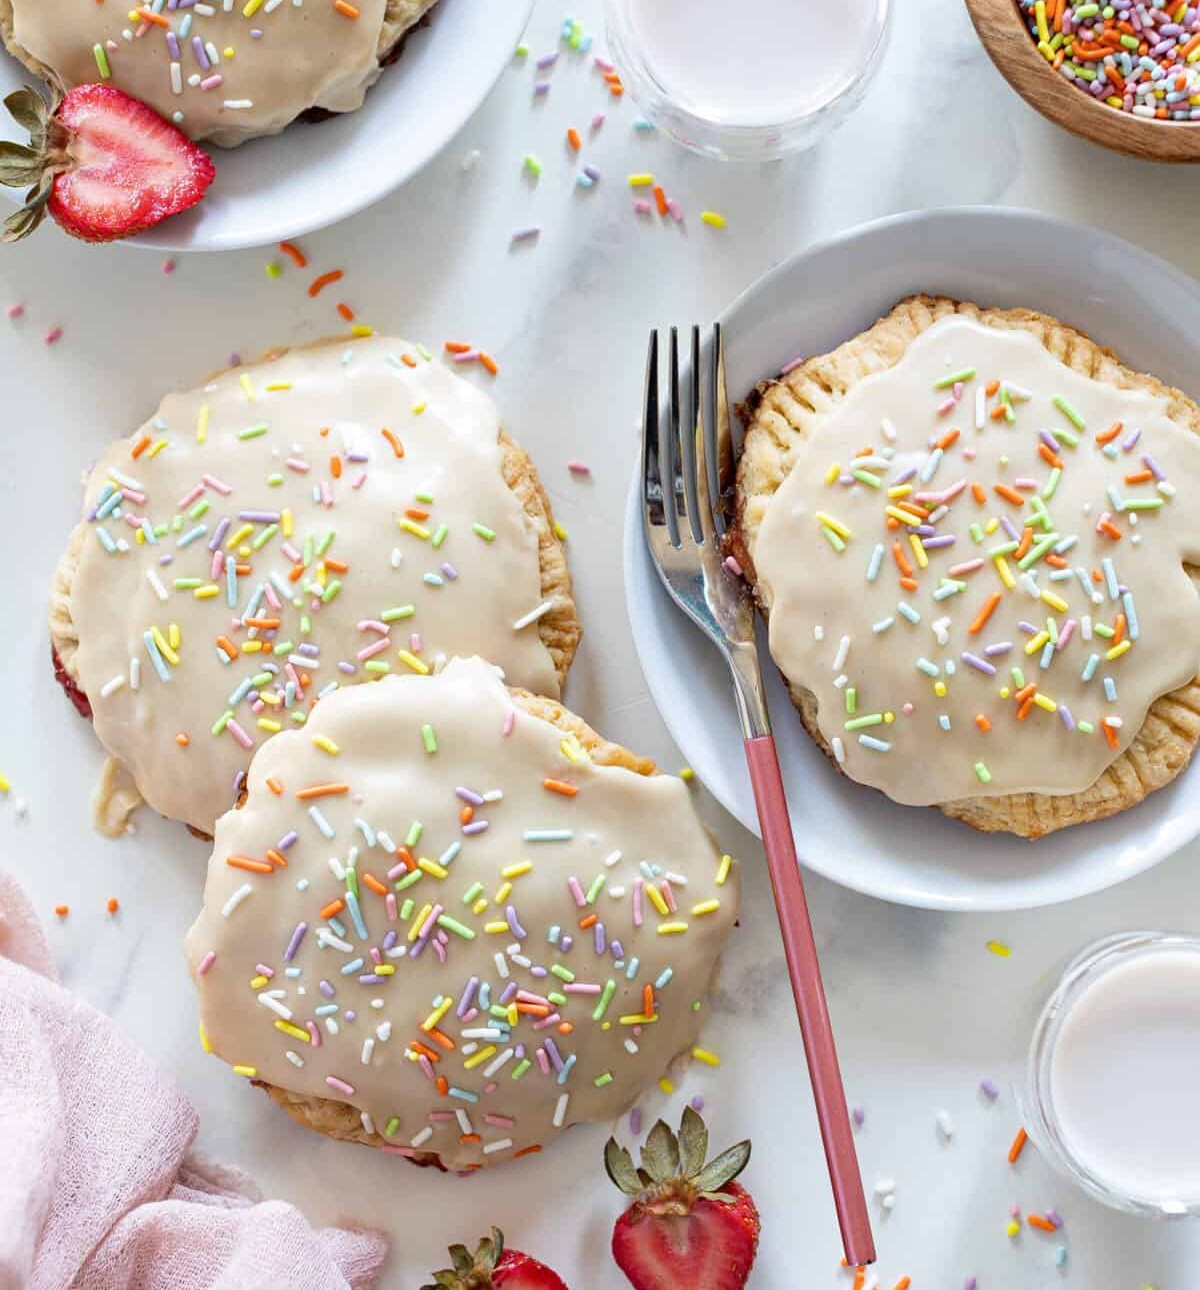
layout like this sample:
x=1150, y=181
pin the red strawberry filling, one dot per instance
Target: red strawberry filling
x=82, y=704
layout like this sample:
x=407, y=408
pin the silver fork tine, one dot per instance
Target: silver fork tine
x=673, y=495
x=722, y=465
x=652, y=491
x=687, y=438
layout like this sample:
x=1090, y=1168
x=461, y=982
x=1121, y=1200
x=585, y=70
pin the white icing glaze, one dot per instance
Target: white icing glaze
x=816, y=592
x=353, y=392
x=308, y=55
x=605, y=845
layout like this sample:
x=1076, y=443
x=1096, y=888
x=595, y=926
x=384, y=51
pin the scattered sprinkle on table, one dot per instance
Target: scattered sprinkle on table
x=999, y=949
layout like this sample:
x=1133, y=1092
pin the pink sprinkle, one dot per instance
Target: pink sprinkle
x=211, y=82
x=510, y=718
x=643, y=207
x=217, y=485
x=791, y=367
x=597, y=120
x=637, y=902
x=373, y=625
x=313, y=1033
x=675, y=210
x=414, y=642
x=733, y=567
x=577, y=891
x=499, y=1121
x=668, y=895
x=967, y=566
x=543, y=1061
x=579, y=468
x=339, y=1085
x=168, y=266
x=263, y=970
x=359, y=480
x=603, y=64
x=240, y=735
x=16, y=311
x=371, y=650
x=54, y=335
x=390, y=902
x=188, y=498
x=467, y=356
x=908, y=709
x=206, y=962
x=294, y=463
x=946, y=405
x=969, y=453
x=389, y=1150
x=326, y=493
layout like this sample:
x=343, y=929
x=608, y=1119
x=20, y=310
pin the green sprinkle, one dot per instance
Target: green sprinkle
x=399, y=611
x=453, y=925
x=1018, y=678
x=102, y=62
x=280, y=647
x=1103, y=629
x=953, y=378
x=981, y=770
x=275, y=480
x=596, y=888
x=407, y=908
x=305, y=624
x=861, y=723
x=425, y=354
x=1069, y=412
x=273, y=270
x=851, y=700
x=199, y=509
x=254, y=432
x=522, y=51
x=261, y=539
x=563, y=973
x=559, y=1000
x=352, y=881
x=602, y=1079
x=330, y=591
x=1086, y=727
x=222, y=721
x=403, y=884
x=865, y=477
x=1052, y=483
x=414, y=834
x=425, y=497
x=439, y=535
x=605, y=999
x=832, y=538
x=188, y=584
x=472, y=893
x=376, y=665
x=1005, y=548
x=976, y=532
x=299, y=718
x=326, y=542
x=532, y=165
x=1040, y=548
x=429, y=739
x=1144, y=504
x=392, y=1125
x=521, y=1067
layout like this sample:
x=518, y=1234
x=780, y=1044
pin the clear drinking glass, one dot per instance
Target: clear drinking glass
x=701, y=127
x=1043, y=1118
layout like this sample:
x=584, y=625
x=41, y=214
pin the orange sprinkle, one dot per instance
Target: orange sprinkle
x=330, y=789
x=1118, y=630
x=590, y=921
x=860, y=1278
x=335, y=467
x=526, y=1151
x=660, y=199
x=616, y=89
x=573, y=139
x=251, y=866
x=983, y=723
x=227, y=647
x=991, y=388
x=294, y=253
x=997, y=412
x=647, y=1001
x=443, y=1085
x=425, y=1051
x=564, y=1028
x=275, y=786
x=335, y=566
x=1110, y=735
x=157, y=19
x=909, y=584
x=1109, y=529
x=469, y=1137
x=489, y=363
x=466, y=815
x=1055, y=561
x=1052, y=457
x=1018, y=1145
x=1042, y=1224
x=244, y=570
x=335, y=907
x=408, y=360
x=183, y=739
x=457, y=347
x=558, y=786
x=989, y=608
x=266, y=624
x=903, y=1283
x=1107, y=436
x=439, y=1037
x=321, y=281
x=1025, y=543
x=1140, y=477
x=277, y=857
x=369, y=880
x=1025, y=709
x=294, y=575
x=345, y=310
x=979, y=494
x=140, y=447
x=62, y=910
x=113, y=905
x=406, y=858
x=901, y=560
x=416, y=512
x=346, y=10
x=1026, y=692
x=948, y=438
x=533, y=1009
x=397, y=446
x=1009, y=494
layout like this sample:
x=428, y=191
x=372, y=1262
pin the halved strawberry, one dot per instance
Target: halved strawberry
x=690, y=1225
x=102, y=163
x=492, y=1267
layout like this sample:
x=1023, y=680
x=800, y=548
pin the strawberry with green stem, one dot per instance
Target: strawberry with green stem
x=494, y=1267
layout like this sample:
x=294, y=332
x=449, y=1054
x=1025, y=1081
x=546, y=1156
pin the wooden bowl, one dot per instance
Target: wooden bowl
x=1000, y=25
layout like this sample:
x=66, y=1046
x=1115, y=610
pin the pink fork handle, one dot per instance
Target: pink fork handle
x=805, y=974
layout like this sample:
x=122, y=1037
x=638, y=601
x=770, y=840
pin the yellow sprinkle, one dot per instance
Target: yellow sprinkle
x=703, y=1055
x=251, y=8
x=712, y=219
x=560, y=531
x=833, y=474
x=671, y=929
x=477, y=1059
x=502, y=893
x=480, y=905
x=412, y=661
x=636, y=1019
x=159, y=445
x=139, y=537
x=248, y=1071
x=4, y=784
x=272, y=700
x=174, y=635
x=167, y=652
x=900, y=490
x=1117, y=650
x=244, y=379
x=1005, y=572
x=687, y=774
x=999, y=949
x=572, y=749
x=918, y=551
x=294, y=1031
x=904, y=517
x=939, y=688
x=1055, y=602
x=641, y=181
x=252, y=647
x=272, y=727
x=991, y=526
x=666, y=1085
x=287, y=523
x=1014, y=1228
x=239, y=537
x=496, y=929
x=204, y=1040
x=257, y=982
x=417, y=530
x=418, y=408
x=516, y=870
x=432, y=868
x=437, y=1014
x=207, y=592
x=325, y=744
x=417, y=923
x=656, y=899
x=361, y=330
x=1035, y=643
x=830, y=523
x=1045, y=703
x=279, y=385
x=202, y=424
x=706, y=907
x=385, y=969
x=723, y=869
x=513, y=1015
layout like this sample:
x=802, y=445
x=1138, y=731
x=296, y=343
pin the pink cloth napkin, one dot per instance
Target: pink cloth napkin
x=99, y=1188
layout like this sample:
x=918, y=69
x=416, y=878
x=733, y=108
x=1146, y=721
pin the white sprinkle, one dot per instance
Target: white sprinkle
x=885, y=1186
x=843, y=649
x=560, y=1110
x=326, y=937
x=631, y=1046
x=135, y=673
x=176, y=79
x=367, y=1049
x=156, y=582
x=611, y=860
x=501, y=1144
x=279, y=1009
x=294, y=1058
x=470, y=160
x=980, y=407
x=945, y=1124
x=464, y=1121
x=236, y=899
x=384, y=1031
x=501, y=965
x=421, y=1138
x=497, y=1062
x=889, y=430
x=533, y=615
x=888, y=1202
x=397, y=557
x=367, y=1122
x=818, y=633
x=239, y=105
x=839, y=750
x=112, y=686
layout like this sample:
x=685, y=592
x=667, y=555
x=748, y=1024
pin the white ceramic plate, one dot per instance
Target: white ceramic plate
x=313, y=175
x=1148, y=313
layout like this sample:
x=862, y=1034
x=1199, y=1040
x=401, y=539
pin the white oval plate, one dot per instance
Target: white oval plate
x=313, y=175
x=1148, y=313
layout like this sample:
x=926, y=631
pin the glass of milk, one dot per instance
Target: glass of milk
x=1111, y=1096
x=747, y=79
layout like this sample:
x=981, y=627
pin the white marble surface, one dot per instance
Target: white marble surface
x=922, y=1009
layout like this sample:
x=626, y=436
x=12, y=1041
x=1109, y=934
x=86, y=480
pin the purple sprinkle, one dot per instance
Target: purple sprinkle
x=1130, y=441
x=934, y=543
x=1064, y=714
x=471, y=798
x=971, y=1283
x=1010, y=528
x=346, y=667
x=905, y=475
x=259, y=517
x=1152, y=466
x=476, y=826
x=510, y=991
x=538, y=971
x=288, y=840
x=256, y=33
x=566, y=943
x=308, y=649
x=859, y=1116
x=451, y=572
x=349, y=1015
x=697, y=1103
x=294, y=944
x=201, y=56
x=219, y=534
x=390, y=939
x=1049, y=440
x=546, y=60
x=635, y=1121
x=592, y=173
x=618, y=950
x=234, y=360
x=510, y=913
x=552, y=1052
x=599, y=935
x=326, y=989
x=1053, y=1216
x=1000, y=647
x=988, y=1088
x=1027, y=627
x=467, y=995
x=541, y=88
x=978, y=664
x=173, y=46
x=527, y=234
x=371, y=978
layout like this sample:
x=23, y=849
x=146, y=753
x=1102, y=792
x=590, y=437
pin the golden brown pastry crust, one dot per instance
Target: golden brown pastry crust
x=784, y=411
x=341, y=1120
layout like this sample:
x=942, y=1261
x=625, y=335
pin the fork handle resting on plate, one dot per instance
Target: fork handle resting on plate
x=805, y=973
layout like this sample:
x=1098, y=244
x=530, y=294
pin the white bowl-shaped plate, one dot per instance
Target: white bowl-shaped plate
x=313, y=175
x=1142, y=308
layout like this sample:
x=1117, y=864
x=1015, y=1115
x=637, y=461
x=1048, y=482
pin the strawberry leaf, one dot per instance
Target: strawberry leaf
x=619, y=1165
x=725, y=1168
x=660, y=1155
x=28, y=109
x=19, y=166
x=23, y=222
x=693, y=1143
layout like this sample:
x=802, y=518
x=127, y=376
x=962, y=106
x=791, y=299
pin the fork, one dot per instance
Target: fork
x=685, y=521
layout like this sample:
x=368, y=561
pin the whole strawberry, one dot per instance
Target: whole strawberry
x=690, y=1227
x=103, y=164
x=492, y=1267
